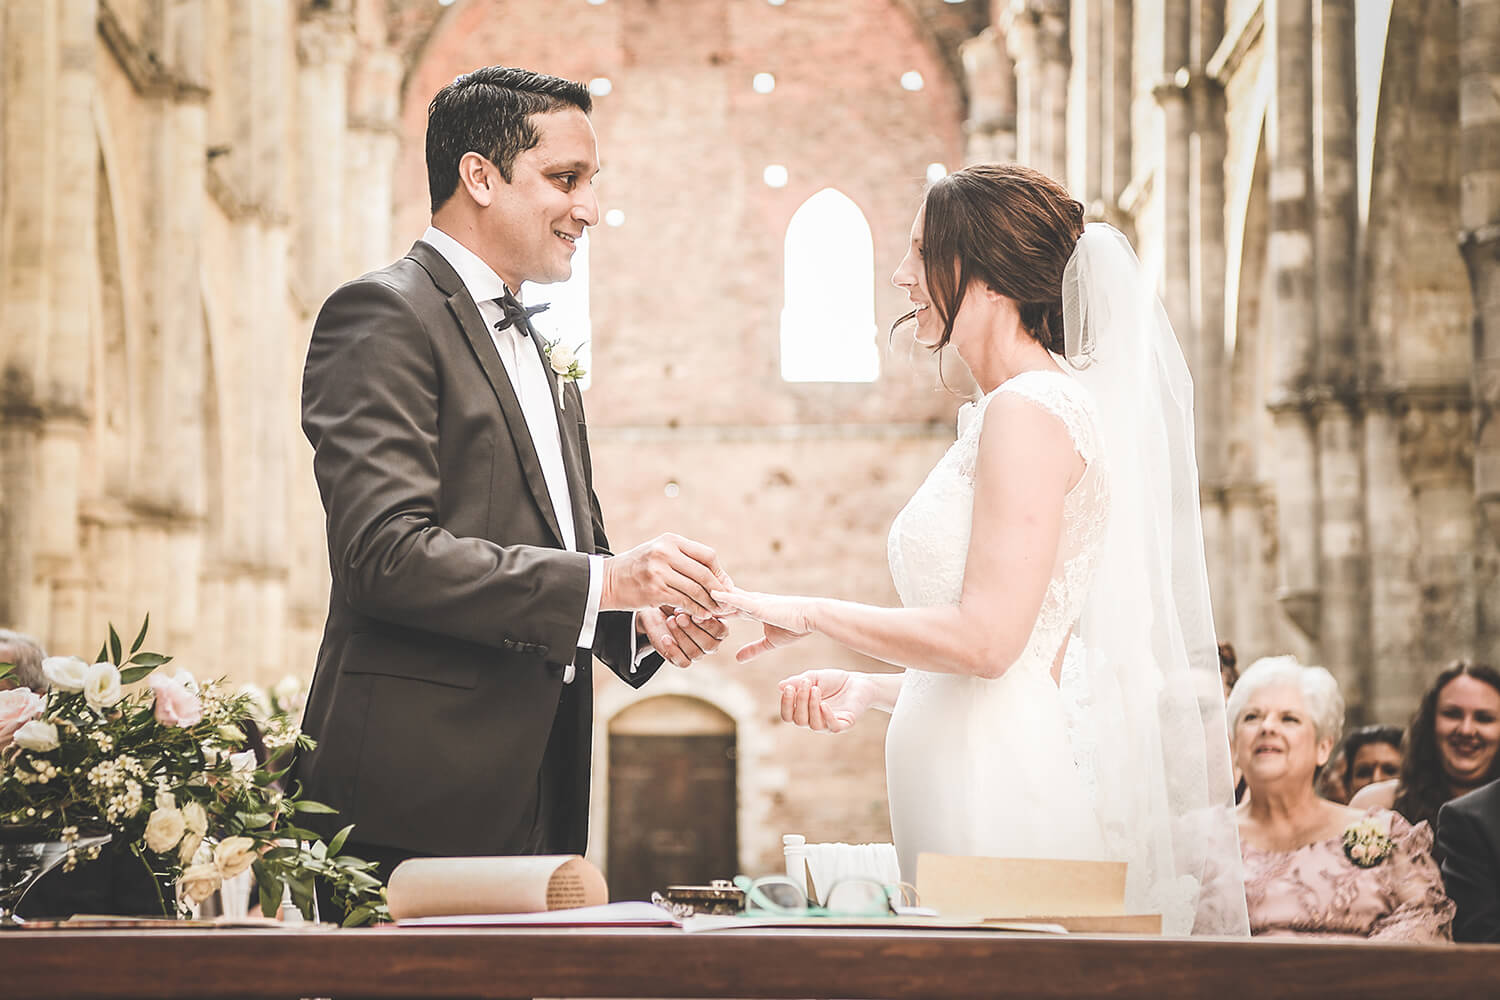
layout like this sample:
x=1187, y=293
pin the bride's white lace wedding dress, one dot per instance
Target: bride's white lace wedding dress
x=989, y=767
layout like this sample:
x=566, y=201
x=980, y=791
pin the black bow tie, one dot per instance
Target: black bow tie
x=517, y=315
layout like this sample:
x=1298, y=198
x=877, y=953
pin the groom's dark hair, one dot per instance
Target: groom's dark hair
x=489, y=112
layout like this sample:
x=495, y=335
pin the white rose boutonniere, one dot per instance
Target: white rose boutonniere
x=1366, y=843
x=563, y=360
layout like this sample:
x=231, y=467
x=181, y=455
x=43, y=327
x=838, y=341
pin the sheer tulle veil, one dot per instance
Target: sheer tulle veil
x=1151, y=660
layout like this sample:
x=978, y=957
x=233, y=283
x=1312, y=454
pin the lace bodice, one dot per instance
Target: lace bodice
x=929, y=540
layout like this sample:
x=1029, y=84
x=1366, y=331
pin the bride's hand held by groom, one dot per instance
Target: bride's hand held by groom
x=784, y=620
x=668, y=582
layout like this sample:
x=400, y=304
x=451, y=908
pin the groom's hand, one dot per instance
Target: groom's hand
x=677, y=636
x=669, y=570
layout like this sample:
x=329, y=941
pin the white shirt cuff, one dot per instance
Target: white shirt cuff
x=643, y=647
x=591, y=609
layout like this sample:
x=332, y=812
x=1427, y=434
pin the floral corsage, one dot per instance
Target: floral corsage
x=563, y=360
x=1366, y=843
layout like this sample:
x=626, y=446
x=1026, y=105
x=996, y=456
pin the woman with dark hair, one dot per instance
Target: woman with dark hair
x=1451, y=744
x=1371, y=754
x=1055, y=626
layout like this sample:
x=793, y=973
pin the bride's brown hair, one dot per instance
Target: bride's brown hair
x=1012, y=228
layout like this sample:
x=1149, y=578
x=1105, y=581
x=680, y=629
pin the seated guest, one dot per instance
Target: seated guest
x=1371, y=754
x=1468, y=841
x=1314, y=867
x=26, y=654
x=1451, y=745
x=1228, y=667
x=1329, y=783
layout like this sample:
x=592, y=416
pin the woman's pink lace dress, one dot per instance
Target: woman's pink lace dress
x=1317, y=891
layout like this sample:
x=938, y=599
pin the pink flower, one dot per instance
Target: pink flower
x=175, y=704
x=18, y=706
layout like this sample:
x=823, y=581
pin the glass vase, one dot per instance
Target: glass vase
x=23, y=861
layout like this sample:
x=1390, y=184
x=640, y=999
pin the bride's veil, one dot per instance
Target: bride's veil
x=1163, y=770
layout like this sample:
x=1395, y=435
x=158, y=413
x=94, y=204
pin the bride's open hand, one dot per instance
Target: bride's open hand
x=785, y=619
x=826, y=701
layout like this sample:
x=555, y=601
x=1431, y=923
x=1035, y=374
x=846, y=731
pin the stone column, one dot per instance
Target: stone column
x=1437, y=456
x=1087, y=95
x=990, y=129
x=1118, y=82
x=27, y=200
x=1177, y=128
x=1036, y=33
x=1055, y=61
x=1293, y=314
x=1394, y=591
x=1345, y=563
x=1479, y=219
x=1207, y=268
x=68, y=360
x=325, y=45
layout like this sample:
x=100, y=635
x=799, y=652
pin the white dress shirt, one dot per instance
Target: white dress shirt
x=524, y=367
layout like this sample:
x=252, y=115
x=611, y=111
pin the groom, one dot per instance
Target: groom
x=472, y=582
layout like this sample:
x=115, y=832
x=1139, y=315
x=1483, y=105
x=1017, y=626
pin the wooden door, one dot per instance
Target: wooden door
x=672, y=798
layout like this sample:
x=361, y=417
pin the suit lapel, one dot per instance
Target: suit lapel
x=572, y=449
x=466, y=314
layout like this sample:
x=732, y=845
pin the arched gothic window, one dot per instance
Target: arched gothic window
x=828, y=318
x=567, y=315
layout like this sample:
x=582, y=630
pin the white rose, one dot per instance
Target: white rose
x=562, y=358
x=101, y=685
x=186, y=679
x=242, y=767
x=260, y=701
x=65, y=673
x=196, y=821
x=37, y=735
x=164, y=828
x=199, y=881
x=234, y=855
x=289, y=694
x=165, y=799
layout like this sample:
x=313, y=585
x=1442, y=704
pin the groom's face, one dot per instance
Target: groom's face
x=534, y=222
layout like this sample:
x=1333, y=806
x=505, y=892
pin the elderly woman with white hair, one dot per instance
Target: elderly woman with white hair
x=1315, y=867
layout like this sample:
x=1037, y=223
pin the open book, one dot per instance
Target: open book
x=560, y=889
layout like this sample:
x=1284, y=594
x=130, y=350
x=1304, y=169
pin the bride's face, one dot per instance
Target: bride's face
x=911, y=278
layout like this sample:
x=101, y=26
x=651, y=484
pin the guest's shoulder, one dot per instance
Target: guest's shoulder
x=1380, y=795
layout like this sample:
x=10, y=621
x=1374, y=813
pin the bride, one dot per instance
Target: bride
x=1061, y=695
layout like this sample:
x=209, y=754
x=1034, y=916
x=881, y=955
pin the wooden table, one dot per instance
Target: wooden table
x=659, y=962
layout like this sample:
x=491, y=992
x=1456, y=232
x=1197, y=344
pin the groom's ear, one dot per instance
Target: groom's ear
x=478, y=177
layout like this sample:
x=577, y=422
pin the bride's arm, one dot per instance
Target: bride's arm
x=1025, y=467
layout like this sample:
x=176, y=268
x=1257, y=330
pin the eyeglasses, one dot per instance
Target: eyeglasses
x=851, y=897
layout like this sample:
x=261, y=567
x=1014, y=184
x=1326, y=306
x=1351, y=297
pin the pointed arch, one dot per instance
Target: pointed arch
x=828, y=316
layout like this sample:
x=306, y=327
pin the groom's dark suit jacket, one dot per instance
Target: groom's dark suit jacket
x=1468, y=847
x=442, y=721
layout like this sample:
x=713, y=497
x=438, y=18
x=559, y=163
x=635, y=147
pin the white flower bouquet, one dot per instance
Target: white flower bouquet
x=165, y=767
